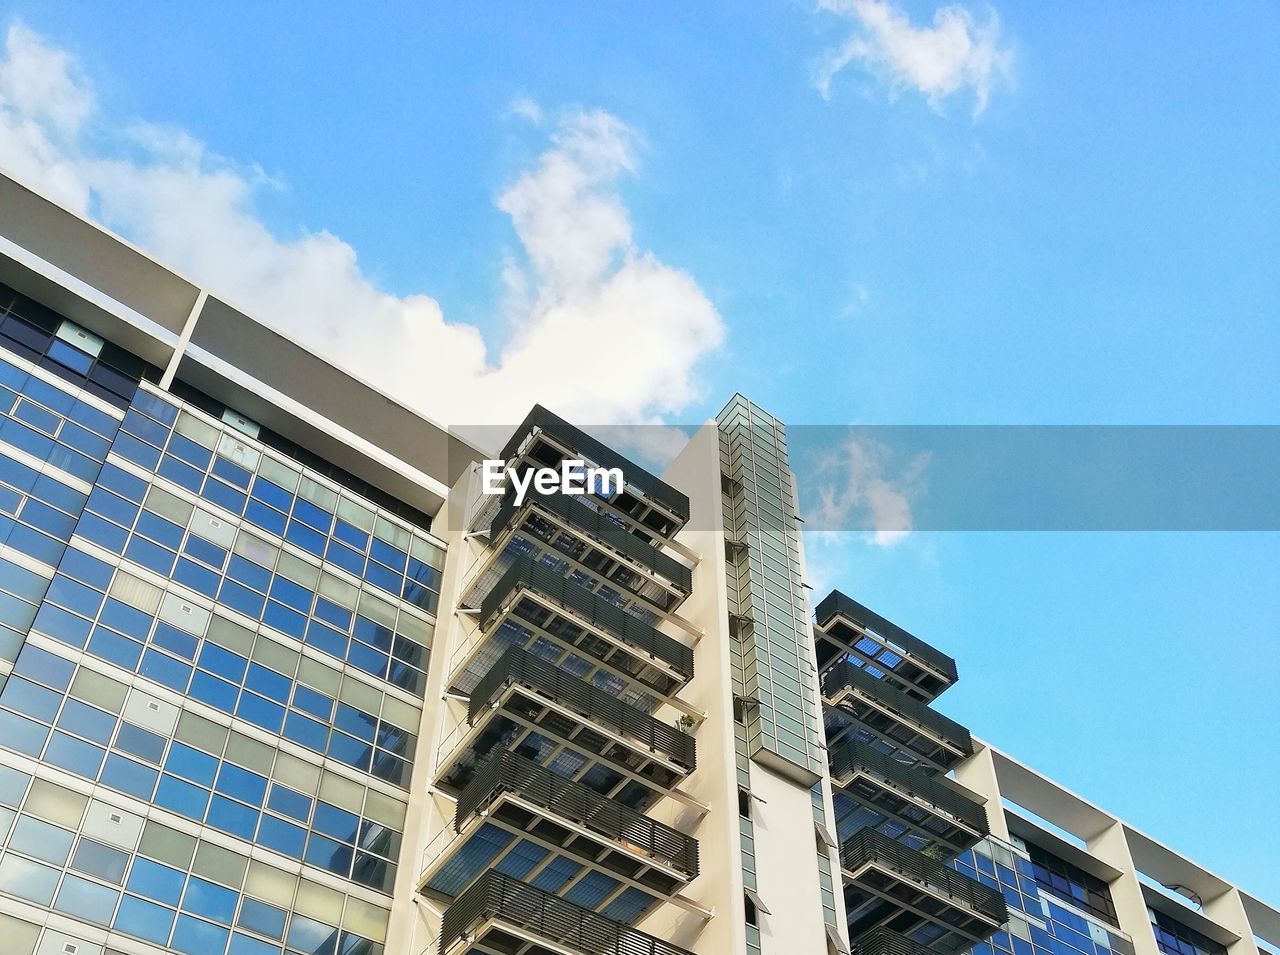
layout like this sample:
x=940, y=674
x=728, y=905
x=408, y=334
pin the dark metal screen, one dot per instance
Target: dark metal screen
x=845, y=675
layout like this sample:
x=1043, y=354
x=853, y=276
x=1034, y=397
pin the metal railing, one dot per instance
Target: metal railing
x=599, y=528
x=836, y=603
x=885, y=941
x=517, y=666
x=500, y=897
x=867, y=845
x=845, y=675
x=600, y=454
x=850, y=757
x=509, y=772
x=628, y=628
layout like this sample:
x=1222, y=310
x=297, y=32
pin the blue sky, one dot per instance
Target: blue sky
x=1037, y=214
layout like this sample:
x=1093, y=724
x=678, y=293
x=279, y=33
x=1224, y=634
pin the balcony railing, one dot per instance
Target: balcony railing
x=632, y=631
x=518, y=667
x=563, y=924
x=845, y=675
x=601, y=455
x=600, y=528
x=885, y=941
x=509, y=772
x=868, y=846
x=849, y=758
x=836, y=603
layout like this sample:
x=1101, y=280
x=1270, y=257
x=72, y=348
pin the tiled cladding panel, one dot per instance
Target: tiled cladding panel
x=1038, y=923
x=230, y=641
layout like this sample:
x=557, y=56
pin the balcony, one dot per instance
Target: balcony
x=892, y=886
x=544, y=440
x=845, y=627
x=527, y=704
x=531, y=601
x=545, y=813
x=501, y=916
x=883, y=941
x=866, y=708
x=929, y=809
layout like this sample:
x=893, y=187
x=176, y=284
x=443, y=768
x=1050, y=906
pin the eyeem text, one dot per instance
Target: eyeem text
x=572, y=477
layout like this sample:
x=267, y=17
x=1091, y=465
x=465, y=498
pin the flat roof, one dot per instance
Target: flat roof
x=104, y=283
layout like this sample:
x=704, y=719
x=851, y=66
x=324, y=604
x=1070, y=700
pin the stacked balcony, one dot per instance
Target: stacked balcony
x=899, y=820
x=559, y=751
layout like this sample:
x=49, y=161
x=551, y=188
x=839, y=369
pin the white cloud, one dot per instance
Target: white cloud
x=598, y=329
x=857, y=492
x=957, y=52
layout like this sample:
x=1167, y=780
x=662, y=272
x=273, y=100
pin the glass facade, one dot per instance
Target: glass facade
x=217, y=658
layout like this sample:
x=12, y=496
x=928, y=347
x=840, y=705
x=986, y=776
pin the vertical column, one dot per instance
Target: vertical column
x=1112, y=847
x=978, y=773
x=1228, y=911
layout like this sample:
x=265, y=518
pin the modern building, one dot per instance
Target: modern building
x=278, y=676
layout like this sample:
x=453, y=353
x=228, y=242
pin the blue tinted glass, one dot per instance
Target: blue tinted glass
x=53, y=492
x=395, y=739
x=44, y=667
x=262, y=918
x=28, y=698
x=247, y=572
x=87, y=721
x=62, y=625
x=260, y=712
x=311, y=937
x=195, y=937
x=212, y=901
x=152, y=556
x=81, y=566
x=155, y=406
x=287, y=621
x=159, y=529
x=384, y=553
x=246, y=945
x=182, y=797
x=350, y=751
x=122, y=482
x=351, y=534
x=180, y=473
x=76, y=756
x=327, y=639
x=198, y=578
x=144, y=427
x=224, y=495
x=38, y=417
x=155, y=881
x=144, y=919
x=268, y=518
x=35, y=544
x=380, y=576
x=175, y=640
x=129, y=777
x=328, y=854
x=117, y=649
x=141, y=743
x=282, y=836
x=201, y=549
x=165, y=670
x=82, y=898
x=367, y=659
x=312, y=515
x=345, y=557
x=356, y=722
x=289, y=803
x=231, y=472
x=241, y=598
x=190, y=452
x=273, y=494
x=217, y=693
x=13, y=786
x=99, y=860
x=308, y=700
x=420, y=596
x=331, y=613
x=409, y=651
x=335, y=822
x=48, y=519
x=232, y=817
x=191, y=764
x=139, y=452
x=306, y=732
x=374, y=634
x=424, y=574
x=102, y=532
x=391, y=768
x=291, y=594
x=75, y=596
x=222, y=662
x=269, y=683
x=127, y=620
x=242, y=784
x=306, y=538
